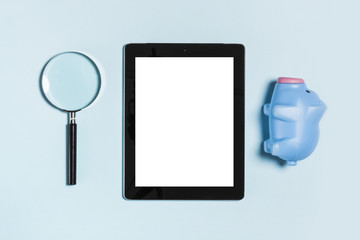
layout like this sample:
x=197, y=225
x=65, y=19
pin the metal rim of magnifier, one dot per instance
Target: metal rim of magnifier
x=97, y=72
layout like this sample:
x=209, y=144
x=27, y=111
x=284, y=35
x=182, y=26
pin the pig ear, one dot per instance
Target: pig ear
x=286, y=112
x=315, y=113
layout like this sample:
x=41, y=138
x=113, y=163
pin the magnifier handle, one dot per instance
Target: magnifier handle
x=71, y=164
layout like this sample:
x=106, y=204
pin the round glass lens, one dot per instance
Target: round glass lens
x=70, y=81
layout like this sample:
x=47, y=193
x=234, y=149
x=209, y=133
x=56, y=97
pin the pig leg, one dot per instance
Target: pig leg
x=267, y=109
x=283, y=148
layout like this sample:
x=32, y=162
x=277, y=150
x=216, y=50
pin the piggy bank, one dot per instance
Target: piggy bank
x=294, y=114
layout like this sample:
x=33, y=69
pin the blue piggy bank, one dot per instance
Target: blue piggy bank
x=294, y=114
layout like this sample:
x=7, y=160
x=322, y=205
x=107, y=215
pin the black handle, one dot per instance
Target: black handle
x=71, y=161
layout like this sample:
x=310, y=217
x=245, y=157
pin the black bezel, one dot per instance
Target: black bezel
x=183, y=50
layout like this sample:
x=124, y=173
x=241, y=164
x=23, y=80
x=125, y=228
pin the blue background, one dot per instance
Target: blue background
x=315, y=40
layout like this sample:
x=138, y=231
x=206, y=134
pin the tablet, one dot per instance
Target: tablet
x=183, y=128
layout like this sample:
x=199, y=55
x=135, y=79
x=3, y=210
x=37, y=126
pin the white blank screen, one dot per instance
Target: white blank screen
x=184, y=122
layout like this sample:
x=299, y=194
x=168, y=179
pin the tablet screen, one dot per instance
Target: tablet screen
x=184, y=121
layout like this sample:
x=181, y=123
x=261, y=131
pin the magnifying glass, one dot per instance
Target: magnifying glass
x=70, y=81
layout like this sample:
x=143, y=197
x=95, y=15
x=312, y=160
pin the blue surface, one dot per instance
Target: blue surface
x=315, y=40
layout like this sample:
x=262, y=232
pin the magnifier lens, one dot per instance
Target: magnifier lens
x=71, y=81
